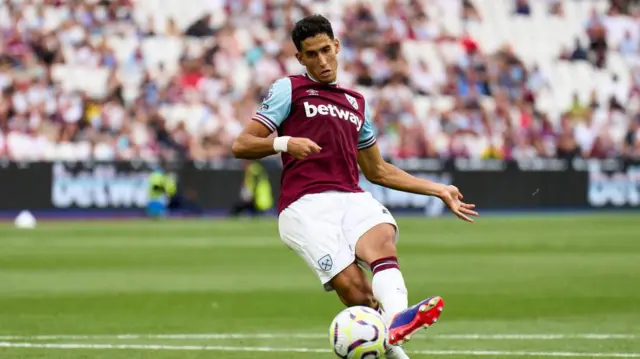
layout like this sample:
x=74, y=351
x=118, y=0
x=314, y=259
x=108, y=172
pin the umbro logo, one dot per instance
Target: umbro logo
x=312, y=92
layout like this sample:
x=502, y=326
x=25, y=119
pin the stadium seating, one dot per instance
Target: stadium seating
x=538, y=40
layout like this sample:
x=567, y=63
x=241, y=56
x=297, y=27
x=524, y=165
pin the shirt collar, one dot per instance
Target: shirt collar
x=314, y=80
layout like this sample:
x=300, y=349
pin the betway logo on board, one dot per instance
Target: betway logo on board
x=312, y=110
x=618, y=189
x=102, y=186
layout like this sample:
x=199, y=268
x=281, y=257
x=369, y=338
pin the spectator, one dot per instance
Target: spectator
x=555, y=8
x=522, y=7
x=118, y=80
x=629, y=46
x=201, y=27
x=597, y=33
x=469, y=11
x=579, y=52
x=631, y=146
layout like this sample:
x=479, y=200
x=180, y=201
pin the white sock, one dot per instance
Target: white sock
x=394, y=351
x=388, y=287
x=391, y=292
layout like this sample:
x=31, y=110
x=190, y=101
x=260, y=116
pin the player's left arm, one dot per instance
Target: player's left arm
x=380, y=172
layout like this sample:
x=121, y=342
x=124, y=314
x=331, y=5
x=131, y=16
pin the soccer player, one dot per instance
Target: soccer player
x=324, y=132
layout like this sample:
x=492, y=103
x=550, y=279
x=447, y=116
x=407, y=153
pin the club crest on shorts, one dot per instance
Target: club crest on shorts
x=325, y=263
x=352, y=101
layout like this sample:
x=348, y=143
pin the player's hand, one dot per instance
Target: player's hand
x=300, y=148
x=452, y=197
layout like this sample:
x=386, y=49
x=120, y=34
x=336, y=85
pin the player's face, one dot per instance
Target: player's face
x=319, y=55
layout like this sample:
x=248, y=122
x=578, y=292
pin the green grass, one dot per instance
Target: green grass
x=567, y=275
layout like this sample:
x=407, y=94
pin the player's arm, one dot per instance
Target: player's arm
x=254, y=142
x=380, y=172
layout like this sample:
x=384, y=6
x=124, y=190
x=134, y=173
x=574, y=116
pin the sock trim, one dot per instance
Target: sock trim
x=385, y=263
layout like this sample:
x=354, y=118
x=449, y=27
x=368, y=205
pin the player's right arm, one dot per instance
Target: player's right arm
x=254, y=141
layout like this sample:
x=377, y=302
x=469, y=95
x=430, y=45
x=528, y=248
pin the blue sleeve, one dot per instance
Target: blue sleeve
x=276, y=106
x=367, y=132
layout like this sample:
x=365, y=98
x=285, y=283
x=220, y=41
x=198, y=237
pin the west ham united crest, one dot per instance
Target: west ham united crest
x=352, y=101
x=325, y=263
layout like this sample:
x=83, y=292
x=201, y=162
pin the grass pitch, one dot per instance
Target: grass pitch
x=521, y=287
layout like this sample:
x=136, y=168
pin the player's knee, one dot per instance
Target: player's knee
x=388, y=248
x=378, y=242
x=387, y=244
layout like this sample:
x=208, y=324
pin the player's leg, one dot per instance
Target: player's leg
x=377, y=248
x=353, y=287
x=372, y=230
x=312, y=227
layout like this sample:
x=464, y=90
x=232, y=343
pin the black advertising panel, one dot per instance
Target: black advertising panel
x=493, y=185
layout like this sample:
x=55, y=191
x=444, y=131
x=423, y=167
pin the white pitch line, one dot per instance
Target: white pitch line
x=590, y=336
x=160, y=347
x=229, y=336
x=70, y=346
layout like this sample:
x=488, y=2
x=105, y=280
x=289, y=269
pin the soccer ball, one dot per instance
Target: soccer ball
x=358, y=333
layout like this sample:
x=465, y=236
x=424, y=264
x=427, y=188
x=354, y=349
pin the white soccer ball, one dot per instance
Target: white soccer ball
x=358, y=333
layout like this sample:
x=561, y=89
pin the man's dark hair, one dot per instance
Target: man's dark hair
x=310, y=26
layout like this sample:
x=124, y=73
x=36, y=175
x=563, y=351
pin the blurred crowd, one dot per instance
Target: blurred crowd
x=193, y=108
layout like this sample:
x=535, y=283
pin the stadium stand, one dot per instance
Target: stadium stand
x=127, y=79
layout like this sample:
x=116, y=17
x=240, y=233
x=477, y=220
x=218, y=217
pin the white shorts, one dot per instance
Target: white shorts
x=324, y=228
